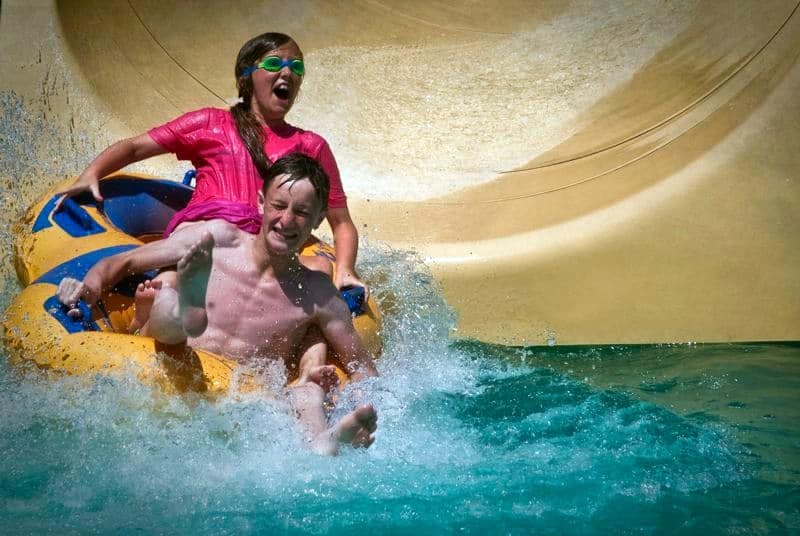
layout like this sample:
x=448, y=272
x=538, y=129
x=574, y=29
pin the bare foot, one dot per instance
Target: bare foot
x=324, y=376
x=358, y=426
x=355, y=428
x=194, y=269
x=143, y=303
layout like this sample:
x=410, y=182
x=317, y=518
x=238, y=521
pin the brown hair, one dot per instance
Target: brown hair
x=250, y=130
x=297, y=166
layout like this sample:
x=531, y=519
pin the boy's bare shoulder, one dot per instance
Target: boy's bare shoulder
x=318, y=281
x=321, y=290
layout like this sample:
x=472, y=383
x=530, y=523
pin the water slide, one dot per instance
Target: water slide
x=595, y=172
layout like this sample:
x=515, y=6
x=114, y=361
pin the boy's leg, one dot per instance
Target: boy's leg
x=145, y=297
x=194, y=270
x=168, y=278
x=179, y=311
x=313, y=352
x=142, y=305
x=355, y=428
x=325, y=376
x=165, y=319
x=307, y=401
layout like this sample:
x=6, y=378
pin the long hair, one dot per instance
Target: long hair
x=250, y=130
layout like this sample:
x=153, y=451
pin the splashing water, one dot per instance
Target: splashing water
x=472, y=437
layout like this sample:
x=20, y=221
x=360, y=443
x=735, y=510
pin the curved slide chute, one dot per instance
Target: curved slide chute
x=579, y=173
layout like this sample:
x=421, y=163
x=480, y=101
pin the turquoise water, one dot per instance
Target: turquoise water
x=473, y=438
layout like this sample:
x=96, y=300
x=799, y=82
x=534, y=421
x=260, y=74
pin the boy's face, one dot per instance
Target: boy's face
x=291, y=212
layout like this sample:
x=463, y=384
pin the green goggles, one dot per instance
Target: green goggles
x=274, y=64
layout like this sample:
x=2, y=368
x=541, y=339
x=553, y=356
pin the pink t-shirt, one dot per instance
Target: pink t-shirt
x=225, y=171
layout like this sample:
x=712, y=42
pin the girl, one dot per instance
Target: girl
x=232, y=149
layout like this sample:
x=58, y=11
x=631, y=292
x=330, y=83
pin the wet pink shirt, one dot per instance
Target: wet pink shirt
x=225, y=171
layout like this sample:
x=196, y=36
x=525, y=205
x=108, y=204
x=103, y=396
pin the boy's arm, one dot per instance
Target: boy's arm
x=109, y=271
x=337, y=327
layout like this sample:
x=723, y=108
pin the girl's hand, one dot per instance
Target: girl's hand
x=112, y=159
x=80, y=185
x=349, y=279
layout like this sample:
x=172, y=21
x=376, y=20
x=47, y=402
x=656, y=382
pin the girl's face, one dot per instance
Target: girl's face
x=274, y=92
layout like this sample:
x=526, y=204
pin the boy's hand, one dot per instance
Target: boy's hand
x=71, y=290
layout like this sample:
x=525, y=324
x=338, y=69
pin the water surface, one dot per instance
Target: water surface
x=473, y=438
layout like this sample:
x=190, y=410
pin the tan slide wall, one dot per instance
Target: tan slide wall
x=584, y=172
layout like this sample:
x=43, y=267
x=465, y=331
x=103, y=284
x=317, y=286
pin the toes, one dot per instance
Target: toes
x=147, y=289
x=367, y=418
x=199, y=252
x=362, y=439
x=370, y=425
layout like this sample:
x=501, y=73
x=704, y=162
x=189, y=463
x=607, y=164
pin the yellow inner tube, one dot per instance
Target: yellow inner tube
x=49, y=246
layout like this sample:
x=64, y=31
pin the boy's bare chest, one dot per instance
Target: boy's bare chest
x=256, y=310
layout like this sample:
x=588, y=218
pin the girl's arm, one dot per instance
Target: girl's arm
x=114, y=158
x=345, y=244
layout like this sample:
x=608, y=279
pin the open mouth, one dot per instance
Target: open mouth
x=286, y=235
x=282, y=91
